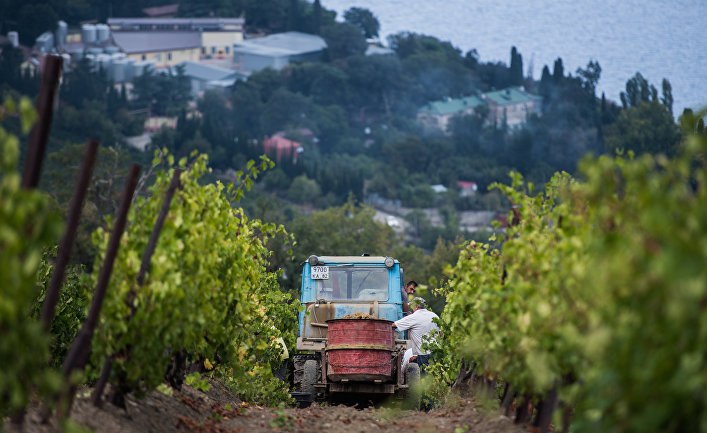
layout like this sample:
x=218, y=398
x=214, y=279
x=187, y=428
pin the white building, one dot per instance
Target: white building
x=277, y=51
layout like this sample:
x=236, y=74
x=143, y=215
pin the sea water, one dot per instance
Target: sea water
x=658, y=38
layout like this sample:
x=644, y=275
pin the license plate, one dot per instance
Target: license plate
x=320, y=272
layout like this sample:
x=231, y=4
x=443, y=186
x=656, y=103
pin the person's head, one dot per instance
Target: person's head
x=418, y=303
x=410, y=287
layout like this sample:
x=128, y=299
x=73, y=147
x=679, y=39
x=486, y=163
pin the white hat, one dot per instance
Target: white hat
x=418, y=301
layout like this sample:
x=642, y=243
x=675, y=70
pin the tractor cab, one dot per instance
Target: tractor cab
x=346, y=345
x=338, y=286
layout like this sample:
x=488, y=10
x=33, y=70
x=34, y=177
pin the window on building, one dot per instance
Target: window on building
x=144, y=57
x=227, y=49
x=203, y=51
x=169, y=56
x=158, y=57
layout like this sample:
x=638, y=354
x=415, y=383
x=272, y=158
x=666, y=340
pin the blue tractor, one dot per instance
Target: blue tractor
x=342, y=287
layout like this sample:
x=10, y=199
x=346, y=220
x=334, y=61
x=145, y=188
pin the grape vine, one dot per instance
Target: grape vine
x=208, y=293
x=597, y=285
x=28, y=225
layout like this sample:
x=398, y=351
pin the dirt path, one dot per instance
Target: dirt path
x=219, y=412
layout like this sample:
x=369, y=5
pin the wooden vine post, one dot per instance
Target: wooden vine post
x=38, y=144
x=144, y=267
x=524, y=411
x=40, y=131
x=509, y=397
x=546, y=408
x=67, y=241
x=77, y=357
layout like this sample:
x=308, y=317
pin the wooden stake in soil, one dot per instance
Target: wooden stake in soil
x=524, y=411
x=40, y=132
x=72, y=223
x=466, y=372
x=566, y=418
x=144, y=266
x=508, y=397
x=77, y=356
x=546, y=408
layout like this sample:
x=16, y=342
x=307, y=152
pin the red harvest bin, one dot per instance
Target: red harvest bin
x=360, y=349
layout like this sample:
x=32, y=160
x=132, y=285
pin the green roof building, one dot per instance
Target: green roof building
x=512, y=105
x=437, y=114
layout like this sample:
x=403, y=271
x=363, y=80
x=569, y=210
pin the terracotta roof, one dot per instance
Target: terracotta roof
x=278, y=147
x=466, y=184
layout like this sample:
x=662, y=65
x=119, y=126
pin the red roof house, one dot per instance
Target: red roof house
x=467, y=188
x=279, y=147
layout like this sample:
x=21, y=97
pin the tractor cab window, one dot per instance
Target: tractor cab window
x=353, y=284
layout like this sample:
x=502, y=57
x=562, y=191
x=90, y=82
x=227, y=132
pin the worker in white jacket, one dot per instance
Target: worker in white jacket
x=419, y=324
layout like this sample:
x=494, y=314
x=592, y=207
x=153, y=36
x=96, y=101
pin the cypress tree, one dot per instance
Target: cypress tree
x=667, y=98
x=293, y=15
x=545, y=82
x=317, y=17
x=558, y=72
x=516, y=69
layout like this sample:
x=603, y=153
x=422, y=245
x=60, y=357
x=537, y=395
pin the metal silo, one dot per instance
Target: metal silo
x=76, y=53
x=62, y=29
x=103, y=63
x=138, y=69
x=129, y=69
x=92, y=61
x=118, y=70
x=102, y=33
x=88, y=33
x=14, y=38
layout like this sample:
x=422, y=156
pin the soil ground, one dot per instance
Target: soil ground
x=218, y=411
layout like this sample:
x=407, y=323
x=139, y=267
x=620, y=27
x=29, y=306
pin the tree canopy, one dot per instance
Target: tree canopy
x=364, y=19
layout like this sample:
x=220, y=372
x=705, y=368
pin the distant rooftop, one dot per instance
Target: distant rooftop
x=282, y=44
x=175, y=24
x=143, y=42
x=376, y=50
x=511, y=95
x=161, y=11
x=451, y=106
x=207, y=72
x=439, y=188
x=466, y=184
